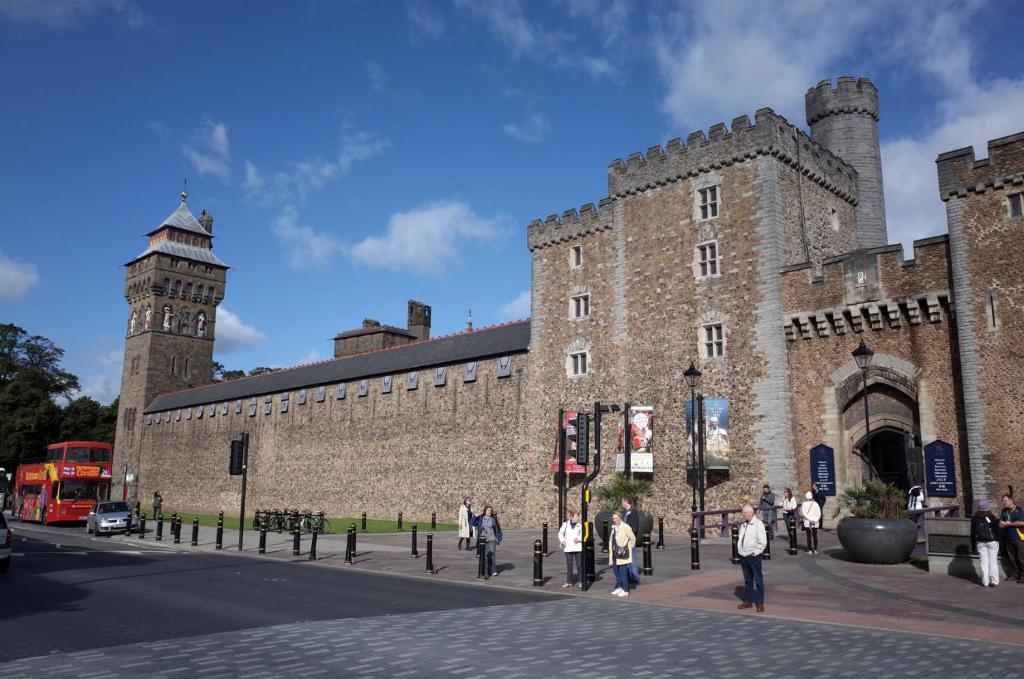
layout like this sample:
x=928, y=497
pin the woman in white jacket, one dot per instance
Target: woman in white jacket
x=570, y=538
x=465, y=532
x=810, y=512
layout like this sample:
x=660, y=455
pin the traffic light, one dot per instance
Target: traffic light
x=583, y=439
x=237, y=455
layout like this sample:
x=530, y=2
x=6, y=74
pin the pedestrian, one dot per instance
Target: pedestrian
x=465, y=532
x=570, y=538
x=489, y=530
x=1012, y=523
x=158, y=504
x=788, y=506
x=915, y=498
x=752, y=542
x=985, y=534
x=810, y=512
x=767, y=507
x=819, y=497
x=632, y=518
x=620, y=553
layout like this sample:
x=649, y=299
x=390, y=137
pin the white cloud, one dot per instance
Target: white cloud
x=533, y=129
x=517, y=308
x=69, y=13
x=426, y=239
x=357, y=146
x=307, y=248
x=103, y=384
x=209, y=151
x=234, y=335
x=253, y=180
x=311, y=356
x=424, y=23
x=506, y=20
x=609, y=16
x=378, y=78
x=16, y=278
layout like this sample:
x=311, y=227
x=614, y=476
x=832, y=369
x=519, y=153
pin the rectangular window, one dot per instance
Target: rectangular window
x=1017, y=205
x=707, y=256
x=579, y=363
x=714, y=345
x=576, y=256
x=581, y=306
x=709, y=202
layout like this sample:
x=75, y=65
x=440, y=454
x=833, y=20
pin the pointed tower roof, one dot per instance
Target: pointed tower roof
x=183, y=219
x=164, y=240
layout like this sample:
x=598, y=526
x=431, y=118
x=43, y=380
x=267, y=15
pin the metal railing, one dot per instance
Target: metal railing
x=941, y=511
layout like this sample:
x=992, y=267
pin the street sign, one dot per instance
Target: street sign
x=823, y=468
x=940, y=469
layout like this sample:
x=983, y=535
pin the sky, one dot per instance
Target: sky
x=357, y=154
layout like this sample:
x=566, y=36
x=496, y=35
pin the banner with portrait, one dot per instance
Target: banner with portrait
x=565, y=428
x=641, y=439
x=716, y=433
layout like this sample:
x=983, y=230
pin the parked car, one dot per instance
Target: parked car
x=110, y=517
x=6, y=543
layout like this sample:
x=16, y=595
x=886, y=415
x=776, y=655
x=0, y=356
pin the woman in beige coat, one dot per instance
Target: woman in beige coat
x=620, y=553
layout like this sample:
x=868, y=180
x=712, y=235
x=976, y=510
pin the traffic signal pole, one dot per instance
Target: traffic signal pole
x=561, y=467
x=245, y=469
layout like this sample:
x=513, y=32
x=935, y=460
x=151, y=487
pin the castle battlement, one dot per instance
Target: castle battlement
x=960, y=173
x=771, y=134
x=850, y=95
x=572, y=224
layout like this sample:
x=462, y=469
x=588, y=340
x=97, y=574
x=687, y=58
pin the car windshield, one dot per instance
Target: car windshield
x=112, y=507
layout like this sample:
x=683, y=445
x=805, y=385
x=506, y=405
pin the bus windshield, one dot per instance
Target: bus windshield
x=77, y=489
x=88, y=455
x=54, y=454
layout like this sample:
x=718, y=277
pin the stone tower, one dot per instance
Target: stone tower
x=844, y=119
x=172, y=289
x=419, y=319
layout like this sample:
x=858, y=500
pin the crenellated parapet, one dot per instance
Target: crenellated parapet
x=570, y=225
x=850, y=95
x=770, y=135
x=960, y=173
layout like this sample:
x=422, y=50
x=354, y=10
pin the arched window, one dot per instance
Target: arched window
x=199, y=293
x=201, y=324
x=168, y=319
x=176, y=290
x=188, y=291
x=174, y=364
x=185, y=323
x=210, y=294
x=167, y=286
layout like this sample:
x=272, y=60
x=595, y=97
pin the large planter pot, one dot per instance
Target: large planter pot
x=878, y=541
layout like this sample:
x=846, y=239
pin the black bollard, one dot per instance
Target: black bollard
x=195, y=532
x=399, y=520
x=312, y=544
x=767, y=553
x=363, y=524
x=415, y=552
x=159, y=527
x=263, y=538
x=734, y=531
x=142, y=526
x=544, y=536
x=648, y=568
x=296, y=537
x=255, y=519
x=791, y=527
x=538, y=563
x=220, y=528
x=481, y=570
x=354, y=536
x=604, y=536
x=694, y=550
x=433, y=520
x=176, y=527
x=430, y=553
x=661, y=532
x=348, y=545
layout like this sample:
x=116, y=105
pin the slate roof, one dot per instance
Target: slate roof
x=183, y=250
x=479, y=344
x=183, y=219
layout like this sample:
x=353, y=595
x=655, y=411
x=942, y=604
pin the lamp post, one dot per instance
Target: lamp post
x=862, y=355
x=692, y=376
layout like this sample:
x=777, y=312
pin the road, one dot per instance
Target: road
x=90, y=606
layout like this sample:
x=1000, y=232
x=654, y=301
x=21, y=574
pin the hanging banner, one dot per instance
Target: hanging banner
x=716, y=433
x=940, y=469
x=571, y=466
x=641, y=437
x=823, y=468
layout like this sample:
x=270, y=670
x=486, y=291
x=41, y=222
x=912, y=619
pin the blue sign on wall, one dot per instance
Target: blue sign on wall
x=823, y=468
x=940, y=469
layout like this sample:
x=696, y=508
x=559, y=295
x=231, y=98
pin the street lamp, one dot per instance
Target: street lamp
x=692, y=376
x=862, y=355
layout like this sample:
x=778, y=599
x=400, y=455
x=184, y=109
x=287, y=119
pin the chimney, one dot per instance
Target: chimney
x=206, y=221
x=419, y=319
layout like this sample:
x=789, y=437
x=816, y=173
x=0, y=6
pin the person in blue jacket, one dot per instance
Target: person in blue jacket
x=489, y=530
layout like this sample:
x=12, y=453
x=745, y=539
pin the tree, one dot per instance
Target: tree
x=85, y=419
x=262, y=370
x=217, y=372
x=234, y=374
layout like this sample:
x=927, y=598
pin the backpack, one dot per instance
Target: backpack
x=984, y=531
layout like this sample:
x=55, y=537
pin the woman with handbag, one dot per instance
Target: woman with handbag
x=570, y=538
x=620, y=553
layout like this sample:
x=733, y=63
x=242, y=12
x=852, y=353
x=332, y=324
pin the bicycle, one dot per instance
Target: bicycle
x=318, y=521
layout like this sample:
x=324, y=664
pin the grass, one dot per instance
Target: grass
x=337, y=524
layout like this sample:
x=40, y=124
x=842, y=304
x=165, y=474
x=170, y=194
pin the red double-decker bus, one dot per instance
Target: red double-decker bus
x=66, y=485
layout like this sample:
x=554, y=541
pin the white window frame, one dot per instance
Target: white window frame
x=708, y=202
x=710, y=267
x=1011, y=199
x=712, y=345
x=575, y=256
x=578, y=363
x=579, y=306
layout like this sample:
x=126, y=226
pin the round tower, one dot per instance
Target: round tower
x=844, y=119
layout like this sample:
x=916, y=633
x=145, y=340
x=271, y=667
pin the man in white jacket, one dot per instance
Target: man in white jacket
x=752, y=541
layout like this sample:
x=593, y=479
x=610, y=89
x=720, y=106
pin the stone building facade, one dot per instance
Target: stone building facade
x=756, y=251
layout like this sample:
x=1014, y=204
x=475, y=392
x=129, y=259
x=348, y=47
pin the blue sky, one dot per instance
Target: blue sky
x=358, y=154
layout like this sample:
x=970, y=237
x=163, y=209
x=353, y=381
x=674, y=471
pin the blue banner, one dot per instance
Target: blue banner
x=823, y=468
x=940, y=469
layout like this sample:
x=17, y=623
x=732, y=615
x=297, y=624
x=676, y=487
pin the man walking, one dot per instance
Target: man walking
x=767, y=507
x=632, y=518
x=1012, y=523
x=752, y=541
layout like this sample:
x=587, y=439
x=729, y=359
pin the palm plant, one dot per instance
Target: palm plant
x=874, y=500
x=610, y=496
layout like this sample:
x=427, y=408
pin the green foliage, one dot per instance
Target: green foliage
x=261, y=370
x=610, y=496
x=233, y=374
x=84, y=419
x=874, y=500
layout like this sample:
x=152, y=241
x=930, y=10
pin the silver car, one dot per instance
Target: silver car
x=111, y=517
